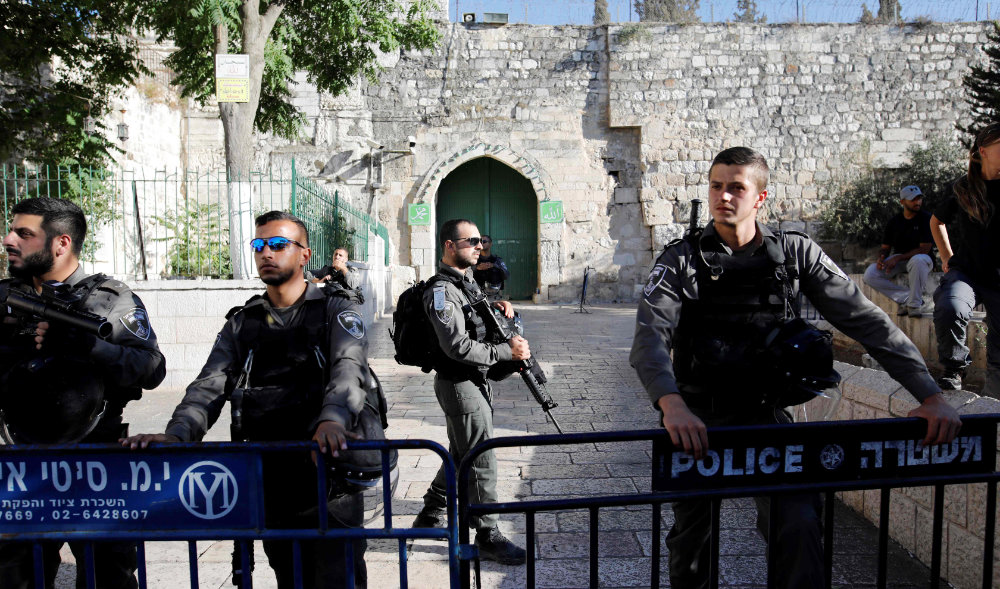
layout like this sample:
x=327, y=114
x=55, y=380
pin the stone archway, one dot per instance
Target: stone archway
x=422, y=238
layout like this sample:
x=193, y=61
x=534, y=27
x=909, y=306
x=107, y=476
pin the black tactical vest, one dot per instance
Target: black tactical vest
x=475, y=326
x=741, y=299
x=284, y=386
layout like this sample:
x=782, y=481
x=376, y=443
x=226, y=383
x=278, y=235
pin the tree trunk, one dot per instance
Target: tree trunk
x=238, y=125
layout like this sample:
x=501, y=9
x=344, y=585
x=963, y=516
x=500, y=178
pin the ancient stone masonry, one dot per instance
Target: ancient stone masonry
x=620, y=124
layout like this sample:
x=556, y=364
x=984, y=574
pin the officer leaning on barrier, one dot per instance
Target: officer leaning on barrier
x=720, y=299
x=61, y=384
x=461, y=387
x=297, y=357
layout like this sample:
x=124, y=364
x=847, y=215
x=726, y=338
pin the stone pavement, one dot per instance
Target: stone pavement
x=586, y=359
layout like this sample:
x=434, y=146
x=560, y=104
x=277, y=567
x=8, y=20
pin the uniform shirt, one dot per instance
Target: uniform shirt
x=449, y=308
x=350, y=280
x=904, y=235
x=127, y=361
x=346, y=354
x=674, y=279
x=495, y=275
x=975, y=246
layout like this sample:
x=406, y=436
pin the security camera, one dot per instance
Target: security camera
x=373, y=144
x=412, y=141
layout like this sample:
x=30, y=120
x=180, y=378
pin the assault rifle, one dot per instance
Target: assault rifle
x=534, y=377
x=55, y=305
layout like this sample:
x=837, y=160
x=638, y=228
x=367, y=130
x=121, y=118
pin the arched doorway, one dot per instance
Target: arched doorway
x=502, y=203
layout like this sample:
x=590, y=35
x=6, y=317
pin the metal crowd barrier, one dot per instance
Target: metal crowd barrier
x=771, y=460
x=180, y=492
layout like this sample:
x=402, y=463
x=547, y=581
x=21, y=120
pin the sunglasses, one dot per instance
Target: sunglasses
x=473, y=241
x=275, y=243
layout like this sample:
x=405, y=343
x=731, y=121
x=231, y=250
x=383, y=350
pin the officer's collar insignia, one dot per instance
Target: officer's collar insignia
x=832, y=266
x=655, y=277
x=445, y=314
x=137, y=323
x=352, y=323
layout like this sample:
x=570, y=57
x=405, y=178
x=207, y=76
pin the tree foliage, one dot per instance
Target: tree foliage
x=332, y=41
x=865, y=196
x=889, y=12
x=671, y=11
x=601, y=14
x=59, y=61
x=982, y=87
x=867, y=18
x=746, y=11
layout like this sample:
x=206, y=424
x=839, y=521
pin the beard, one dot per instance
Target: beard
x=278, y=278
x=32, y=265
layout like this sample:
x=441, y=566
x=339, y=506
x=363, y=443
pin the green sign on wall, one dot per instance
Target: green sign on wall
x=420, y=214
x=551, y=211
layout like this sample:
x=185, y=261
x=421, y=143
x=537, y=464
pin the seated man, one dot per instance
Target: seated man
x=908, y=238
x=337, y=271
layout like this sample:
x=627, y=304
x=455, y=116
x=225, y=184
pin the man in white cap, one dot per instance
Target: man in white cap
x=908, y=239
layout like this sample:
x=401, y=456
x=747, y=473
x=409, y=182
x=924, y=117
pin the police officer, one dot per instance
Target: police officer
x=712, y=299
x=461, y=386
x=491, y=271
x=338, y=271
x=60, y=385
x=307, y=379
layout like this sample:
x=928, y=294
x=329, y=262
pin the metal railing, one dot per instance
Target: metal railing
x=176, y=224
x=820, y=444
x=184, y=492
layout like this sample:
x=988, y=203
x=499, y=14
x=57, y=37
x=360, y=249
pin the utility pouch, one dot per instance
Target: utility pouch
x=355, y=470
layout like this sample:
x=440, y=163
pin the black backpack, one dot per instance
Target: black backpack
x=412, y=332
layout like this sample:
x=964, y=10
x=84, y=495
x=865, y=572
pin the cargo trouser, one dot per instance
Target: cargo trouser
x=799, y=527
x=954, y=300
x=469, y=418
x=917, y=268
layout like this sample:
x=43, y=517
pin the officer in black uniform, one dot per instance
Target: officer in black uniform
x=490, y=271
x=338, y=271
x=60, y=385
x=307, y=380
x=461, y=387
x=712, y=299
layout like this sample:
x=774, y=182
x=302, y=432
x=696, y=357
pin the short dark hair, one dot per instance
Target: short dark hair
x=486, y=236
x=449, y=231
x=59, y=217
x=744, y=156
x=272, y=216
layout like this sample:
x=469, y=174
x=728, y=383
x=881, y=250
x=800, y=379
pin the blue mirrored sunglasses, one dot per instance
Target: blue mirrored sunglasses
x=275, y=243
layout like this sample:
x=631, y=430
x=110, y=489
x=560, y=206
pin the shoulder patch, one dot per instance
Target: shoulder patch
x=439, y=302
x=352, y=323
x=655, y=277
x=830, y=265
x=136, y=321
x=446, y=313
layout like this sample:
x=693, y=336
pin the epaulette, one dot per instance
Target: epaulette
x=252, y=301
x=116, y=286
x=794, y=232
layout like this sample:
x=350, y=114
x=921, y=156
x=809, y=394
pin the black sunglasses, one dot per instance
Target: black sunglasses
x=473, y=241
x=275, y=243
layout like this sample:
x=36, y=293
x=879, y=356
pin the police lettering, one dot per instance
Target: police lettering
x=913, y=453
x=768, y=460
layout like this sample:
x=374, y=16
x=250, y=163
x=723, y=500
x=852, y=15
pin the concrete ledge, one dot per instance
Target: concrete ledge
x=868, y=394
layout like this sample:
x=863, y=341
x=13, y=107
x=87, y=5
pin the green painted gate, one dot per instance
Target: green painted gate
x=502, y=203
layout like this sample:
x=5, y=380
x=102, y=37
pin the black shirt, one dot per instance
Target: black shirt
x=976, y=246
x=905, y=235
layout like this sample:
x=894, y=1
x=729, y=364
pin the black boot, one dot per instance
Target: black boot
x=430, y=517
x=494, y=546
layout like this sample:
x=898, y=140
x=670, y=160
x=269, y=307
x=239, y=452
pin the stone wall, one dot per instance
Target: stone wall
x=620, y=123
x=872, y=394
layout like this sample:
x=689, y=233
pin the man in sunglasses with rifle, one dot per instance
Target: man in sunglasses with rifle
x=461, y=386
x=293, y=363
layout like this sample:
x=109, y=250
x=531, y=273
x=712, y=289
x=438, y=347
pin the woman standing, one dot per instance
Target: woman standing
x=972, y=268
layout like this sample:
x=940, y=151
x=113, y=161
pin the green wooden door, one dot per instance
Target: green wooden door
x=502, y=203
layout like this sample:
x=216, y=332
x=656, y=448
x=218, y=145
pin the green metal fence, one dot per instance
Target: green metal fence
x=176, y=224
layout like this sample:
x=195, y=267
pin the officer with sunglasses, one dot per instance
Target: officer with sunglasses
x=460, y=383
x=491, y=271
x=297, y=357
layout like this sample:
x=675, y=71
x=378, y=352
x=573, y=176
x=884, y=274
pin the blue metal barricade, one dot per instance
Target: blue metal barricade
x=91, y=493
x=765, y=461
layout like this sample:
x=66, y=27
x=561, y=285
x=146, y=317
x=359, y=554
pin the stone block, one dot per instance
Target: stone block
x=422, y=239
x=626, y=195
x=657, y=212
x=872, y=388
x=964, y=555
x=903, y=520
x=193, y=330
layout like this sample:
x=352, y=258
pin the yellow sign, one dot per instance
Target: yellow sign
x=232, y=78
